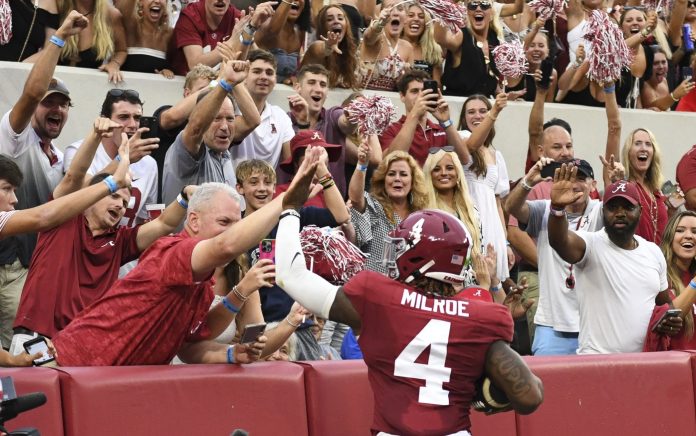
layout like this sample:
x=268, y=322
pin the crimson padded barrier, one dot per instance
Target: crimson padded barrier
x=339, y=398
x=48, y=419
x=499, y=424
x=618, y=394
x=264, y=398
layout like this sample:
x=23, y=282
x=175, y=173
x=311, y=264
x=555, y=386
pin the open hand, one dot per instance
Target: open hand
x=562, y=193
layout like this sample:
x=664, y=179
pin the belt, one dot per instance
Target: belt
x=23, y=331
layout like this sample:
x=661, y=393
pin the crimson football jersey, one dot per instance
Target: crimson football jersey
x=424, y=354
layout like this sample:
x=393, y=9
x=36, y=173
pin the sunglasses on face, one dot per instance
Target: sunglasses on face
x=128, y=93
x=446, y=148
x=472, y=6
x=691, y=4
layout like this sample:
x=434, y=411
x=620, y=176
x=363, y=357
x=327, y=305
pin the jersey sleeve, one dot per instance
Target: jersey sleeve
x=186, y=33
x=355, y=289
x=496, y=324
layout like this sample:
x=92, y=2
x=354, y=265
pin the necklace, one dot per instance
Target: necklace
x=650, y=200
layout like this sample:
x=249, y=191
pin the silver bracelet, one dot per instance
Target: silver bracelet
x=525, y=185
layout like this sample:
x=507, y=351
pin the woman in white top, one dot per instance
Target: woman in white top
x=486, y=173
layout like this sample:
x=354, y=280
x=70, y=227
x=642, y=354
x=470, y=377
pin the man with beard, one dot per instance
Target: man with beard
x=27, y=132
x=620, y=275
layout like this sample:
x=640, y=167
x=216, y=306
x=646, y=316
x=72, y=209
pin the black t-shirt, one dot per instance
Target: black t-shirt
x=473, y=75
x=23, y=13
x=167, y=138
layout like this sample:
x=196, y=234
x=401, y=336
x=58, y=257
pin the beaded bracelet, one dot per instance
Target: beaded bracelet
x=236, y=293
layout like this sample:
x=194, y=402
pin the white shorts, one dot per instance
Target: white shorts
x=459, y=433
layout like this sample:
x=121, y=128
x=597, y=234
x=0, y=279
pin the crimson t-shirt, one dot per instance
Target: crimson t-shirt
x=192, y=29
x=146, y=316
x=423, y=139
x=70, y=269
x=424, y=354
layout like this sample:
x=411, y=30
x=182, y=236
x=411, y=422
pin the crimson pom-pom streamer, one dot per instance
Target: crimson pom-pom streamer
x=5, y=22
x=372, y=114
x=510, y=59
x=609, y=53
x=548, y=8
x=329, y=254
x=447, y=13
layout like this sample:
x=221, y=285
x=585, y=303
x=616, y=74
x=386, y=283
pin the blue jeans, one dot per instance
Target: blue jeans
x=549, y=342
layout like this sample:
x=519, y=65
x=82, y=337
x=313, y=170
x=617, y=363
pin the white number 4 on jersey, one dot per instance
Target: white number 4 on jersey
x=435, y=373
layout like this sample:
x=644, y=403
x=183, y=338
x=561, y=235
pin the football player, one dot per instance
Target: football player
x=426, y=345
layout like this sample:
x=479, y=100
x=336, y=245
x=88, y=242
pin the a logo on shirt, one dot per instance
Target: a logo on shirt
x=273, y=128
x=316, y=136
x=439, y=133
x=111, y=243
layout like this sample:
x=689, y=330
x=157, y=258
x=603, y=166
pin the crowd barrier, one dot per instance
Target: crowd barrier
x=630, y=394
x=675, y=131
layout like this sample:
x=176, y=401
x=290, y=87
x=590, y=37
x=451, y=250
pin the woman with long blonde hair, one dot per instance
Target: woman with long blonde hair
x=397, y=189
x=418, y=30
x=102, y=44
x=679, y=249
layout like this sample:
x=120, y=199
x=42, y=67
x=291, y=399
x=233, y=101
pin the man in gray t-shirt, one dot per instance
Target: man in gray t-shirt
x=200, y=152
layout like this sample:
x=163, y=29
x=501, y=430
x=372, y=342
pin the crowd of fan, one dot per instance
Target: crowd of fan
x=110, y=285
x=369, y=45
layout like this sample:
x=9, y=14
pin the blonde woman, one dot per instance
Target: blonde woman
x=418, y=30
x=148, y=34
x=102, y=44
x=397, y=189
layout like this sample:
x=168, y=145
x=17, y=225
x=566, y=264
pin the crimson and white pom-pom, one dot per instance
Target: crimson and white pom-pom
x=445, y=12
x=372, y=114
x=609, y=53
x=329, y=254
x=548, y=8
x=650, y=5
x=5, y=22
x=510, y=59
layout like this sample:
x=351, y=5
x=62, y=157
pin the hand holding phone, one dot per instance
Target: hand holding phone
x=546, y=72
x=431, y=85
x=151, y=124
x=661, y=325
x=37, y=345
x=252, y=332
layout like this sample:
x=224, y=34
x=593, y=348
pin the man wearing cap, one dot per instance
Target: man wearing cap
x=556, y=320
x=298, y=145
x=200, y=152
x=27, y=132
x=620, y=277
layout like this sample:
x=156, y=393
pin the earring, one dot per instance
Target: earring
x=139, y=10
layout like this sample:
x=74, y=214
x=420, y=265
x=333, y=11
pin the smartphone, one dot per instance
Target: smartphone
x=267, y=249
x=674, y=198
x=252, y=332
x=687, y=73
x=546, y=72
x=668, y=188
x=550, y=169
x=670, y=313
x=430, y=84
x=39, y=344
x=150, y=123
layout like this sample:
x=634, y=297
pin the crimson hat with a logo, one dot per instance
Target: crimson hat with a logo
x=623, y=189
x=302, y=140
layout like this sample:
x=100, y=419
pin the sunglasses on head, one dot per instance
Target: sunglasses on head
x=690, y=4
x=634, y=8
x=128, y=93
x=446, y=148
x=472, y=6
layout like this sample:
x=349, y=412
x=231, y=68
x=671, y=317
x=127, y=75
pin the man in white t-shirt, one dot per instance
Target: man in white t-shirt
x=557, y=317
x=124, y=107
x=620, y=275
x=270, y=141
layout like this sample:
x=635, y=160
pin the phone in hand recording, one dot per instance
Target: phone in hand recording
x=150, y=123
x=550, y=169
x=546, y=72
x=688, y=74
x=674, y=198
x=670, y=313
x=431, y=85
x=252, y=332
x=39, y=344
x=267, y=249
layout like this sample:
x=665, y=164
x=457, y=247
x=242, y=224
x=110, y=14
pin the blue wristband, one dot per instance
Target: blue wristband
x=183, y=203
x=609, y=89
x=230, y=354
x=113, y=187
x=57, y=41
x=362, y=168
x=222, y=83
x=229, y=306
x=446, y=124
x=692, y=284
x=118, y=158
x=247, y=43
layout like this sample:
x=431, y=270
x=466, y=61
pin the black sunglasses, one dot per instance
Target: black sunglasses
x=446, y=148
x=128, y=93
x=690, y=4
x=473, y=5
x=634, y=8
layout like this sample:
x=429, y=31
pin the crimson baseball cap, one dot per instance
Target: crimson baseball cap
x=623, y=189
x=302, y=140
x=57, y=86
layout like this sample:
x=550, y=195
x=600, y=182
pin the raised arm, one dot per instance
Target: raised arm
x=567, y=244
x=448, y=40
x=535, y=127
x=443, y=116
x=167, y=222
x=676, y=21
x=512, y=8
x=515, y=203
x=56, y=212
x=425, y=102
x=481, y=132
x=41, y=74
x=612, y=149
x=332, y=196
x=356, y=187
x=507, y=371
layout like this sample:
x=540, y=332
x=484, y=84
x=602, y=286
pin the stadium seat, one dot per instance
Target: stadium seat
x=48, y=419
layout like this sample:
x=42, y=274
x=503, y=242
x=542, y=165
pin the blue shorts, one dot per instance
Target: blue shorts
x=549, y=342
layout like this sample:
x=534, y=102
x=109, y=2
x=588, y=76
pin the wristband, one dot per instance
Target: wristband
x=118, y=158
x=497, y=287
x=671, y=94
x=184, y=195
x=183, y=203
x=610, y=89
x=57, y=41
x=230, y=354
x=287, y=319
x=229, y=306
x=246, y=42
x=222, y=83
x=525, y=185
x=290, y=212
x=446, y=124
x=111, y=183
x=692, y=284
x=362, y=167
x=557, y=212
x=328, y=185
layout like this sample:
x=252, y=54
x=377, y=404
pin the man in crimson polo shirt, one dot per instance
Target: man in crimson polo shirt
x=414, y=133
